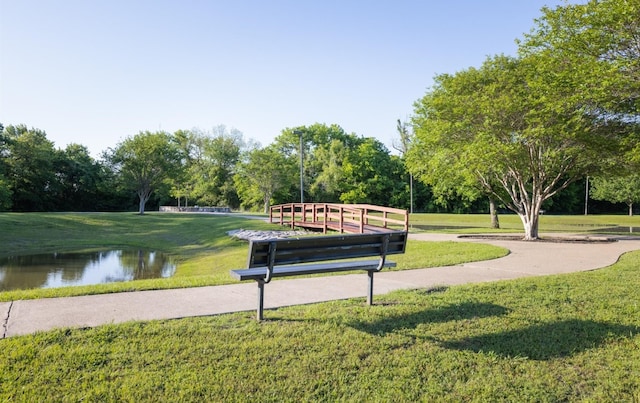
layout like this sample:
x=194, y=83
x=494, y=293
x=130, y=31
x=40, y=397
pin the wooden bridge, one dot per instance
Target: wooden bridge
x=350, y=218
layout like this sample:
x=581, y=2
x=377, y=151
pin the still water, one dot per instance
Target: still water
x=82, y=268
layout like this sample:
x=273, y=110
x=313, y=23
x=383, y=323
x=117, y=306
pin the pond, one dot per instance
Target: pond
x=82, y=268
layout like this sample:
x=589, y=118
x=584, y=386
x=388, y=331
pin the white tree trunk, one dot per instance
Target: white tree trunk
x=530, y=225
x=530, y=218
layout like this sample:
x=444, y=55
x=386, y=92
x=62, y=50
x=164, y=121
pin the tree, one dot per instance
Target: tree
x=512, y=128
x=599, y=40
x=145, y=162
x=29, y=164
x=324, y=149
x=370, y=174
x=402, y=145
x=5, y=189
x=620, y=189
x=261, y=175
x=212, y=166
x=329, y=178
x=78, y=178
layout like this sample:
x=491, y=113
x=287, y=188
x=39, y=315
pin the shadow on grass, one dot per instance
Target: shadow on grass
x=467, y=310
x=545, y=341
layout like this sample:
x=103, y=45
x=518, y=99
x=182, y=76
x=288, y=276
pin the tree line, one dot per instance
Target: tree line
x=220, y=168
x=194, y=167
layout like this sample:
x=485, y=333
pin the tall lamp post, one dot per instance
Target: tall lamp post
x=299, y=133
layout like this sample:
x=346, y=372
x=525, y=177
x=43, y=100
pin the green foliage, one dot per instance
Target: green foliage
x=262, y=174
x=523, y=129
x=371, y=175
x=29, y=158
x=146, y=162
x=622, y=189
x=341, y=167
x=209, y=164
x=558, y=338
x=599, y=42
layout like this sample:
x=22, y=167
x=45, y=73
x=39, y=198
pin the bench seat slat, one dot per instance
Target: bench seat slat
x=257, y=273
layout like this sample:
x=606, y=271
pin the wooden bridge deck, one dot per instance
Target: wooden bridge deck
x=349, y=218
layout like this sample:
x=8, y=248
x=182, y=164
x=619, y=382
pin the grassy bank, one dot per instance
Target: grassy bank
x=198, y=243
x=559, y=338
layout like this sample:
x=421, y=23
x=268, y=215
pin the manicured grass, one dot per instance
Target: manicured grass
x=473, y=223
x=558, y=338
x=198, y=243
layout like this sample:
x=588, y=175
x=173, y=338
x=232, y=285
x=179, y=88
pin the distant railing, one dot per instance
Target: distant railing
x=194, y=209
x=354, y=218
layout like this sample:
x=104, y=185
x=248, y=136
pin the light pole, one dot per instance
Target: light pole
x=299, y=133
x=586, y=197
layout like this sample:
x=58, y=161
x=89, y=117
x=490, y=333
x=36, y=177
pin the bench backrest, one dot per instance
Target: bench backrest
x=314, y=249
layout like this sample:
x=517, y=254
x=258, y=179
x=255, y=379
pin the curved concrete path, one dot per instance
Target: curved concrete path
x=525, y=259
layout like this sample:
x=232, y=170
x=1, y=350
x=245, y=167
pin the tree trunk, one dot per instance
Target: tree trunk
x=266, y=198
x=141, y=205
x=630, y=209
x=495, y=221
x=530, y=223
x=143, y=195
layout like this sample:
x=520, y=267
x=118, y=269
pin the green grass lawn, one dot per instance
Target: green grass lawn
x=558, y=338
x=511, y=223
x=198, y=243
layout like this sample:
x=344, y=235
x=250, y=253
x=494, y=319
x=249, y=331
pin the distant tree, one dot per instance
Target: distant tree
x=146, y=162
x=5, y=188
x=78, y=178
x=402, y=145
x=369, y=175
x=213, y=165
x=324, y=150
x=29, y=163
x=327, y=162
x=622, y=189
x=262, y=173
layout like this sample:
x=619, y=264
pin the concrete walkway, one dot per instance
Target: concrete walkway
x=525, y=259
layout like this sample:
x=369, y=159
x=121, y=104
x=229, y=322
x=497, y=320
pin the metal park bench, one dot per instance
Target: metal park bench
x=299, y=256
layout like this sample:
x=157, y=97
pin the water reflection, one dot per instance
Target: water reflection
x=66, y=269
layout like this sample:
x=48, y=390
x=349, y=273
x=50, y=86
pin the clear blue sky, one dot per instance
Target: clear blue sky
x=95, y=72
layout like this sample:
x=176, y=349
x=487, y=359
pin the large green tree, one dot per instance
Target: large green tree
x=526, y=128
x=146, y=162
x=599, y=41
x=513, y=129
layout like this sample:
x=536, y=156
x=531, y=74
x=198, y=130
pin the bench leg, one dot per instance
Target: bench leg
x=370, y=287
x=259, y=315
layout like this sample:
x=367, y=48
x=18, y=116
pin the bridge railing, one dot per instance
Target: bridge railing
x=340, y=217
